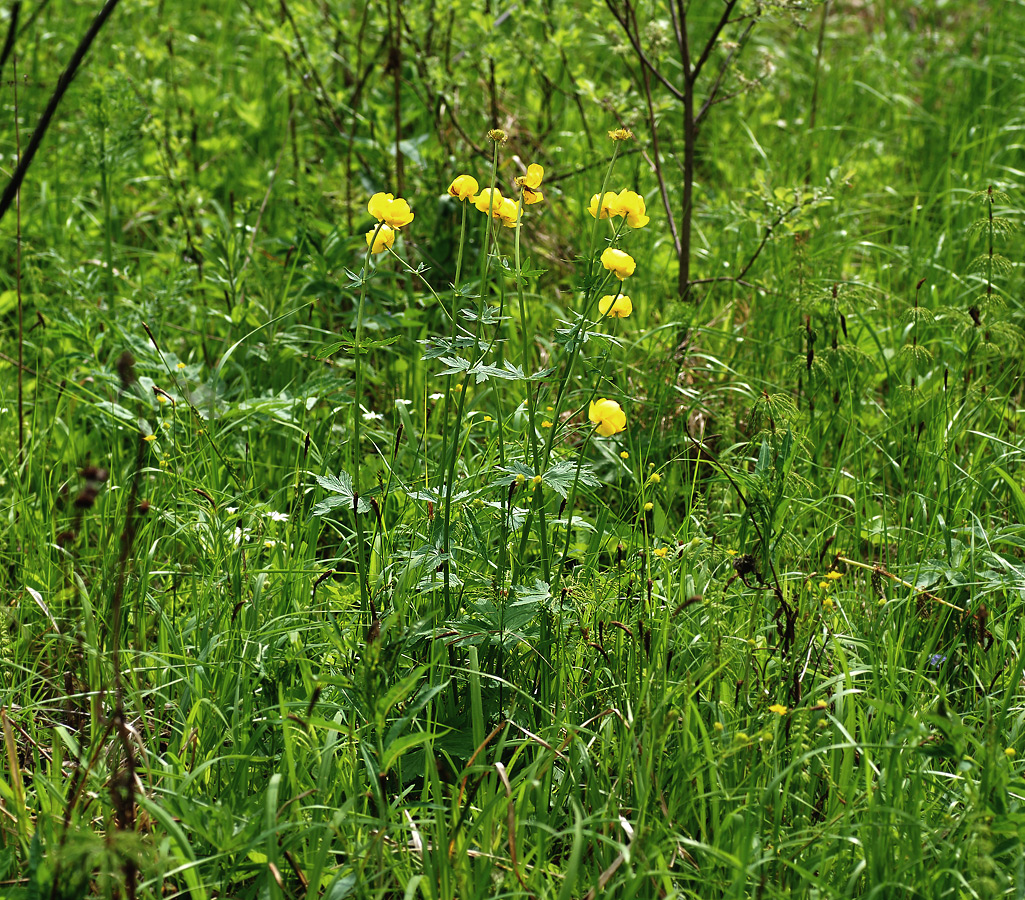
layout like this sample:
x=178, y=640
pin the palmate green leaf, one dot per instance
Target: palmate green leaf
x=488, y=316
x=341, y=488
x=434, y=347
x=561, y=476
x=348, y=344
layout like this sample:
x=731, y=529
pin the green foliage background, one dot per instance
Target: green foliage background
x=852, y=405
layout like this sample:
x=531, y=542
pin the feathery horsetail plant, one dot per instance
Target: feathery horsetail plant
x=983, y=331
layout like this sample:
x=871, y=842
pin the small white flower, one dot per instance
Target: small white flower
x=437, y=397
x=403, y=402
x=277, y=516
x=231, y=509
x=371, y=416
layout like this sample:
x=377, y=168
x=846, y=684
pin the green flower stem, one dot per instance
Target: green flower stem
x=451, y=457
x=357, y=418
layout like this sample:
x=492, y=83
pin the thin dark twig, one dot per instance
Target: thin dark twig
x=63, y=83
x=641, y=55
x=711, y=41
x=656, y=155
x=765, y=240
x=12, y=30
x=714, y=92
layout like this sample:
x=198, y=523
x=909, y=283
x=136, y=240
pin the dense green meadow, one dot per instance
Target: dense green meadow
x=523, y=545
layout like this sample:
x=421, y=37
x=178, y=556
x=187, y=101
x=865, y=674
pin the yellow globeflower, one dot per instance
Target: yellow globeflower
x=778, y=708
x=385, y=208
x=631, y=205
x=531, y=184
x=509, y=213
x=464, y=187
x=489, y=200
x=618, y=263
x=385, y=238
x=608, y=206
x=608, y=416
x=616, y=307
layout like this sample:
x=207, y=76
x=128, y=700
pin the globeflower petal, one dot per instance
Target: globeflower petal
x=385, y=208
x=618, y=263
x=384, y=239
x=615, y=307
x=509, y=212
x=489, y=200
x=631, y=205
x=608, y=416
x=378, y=205
x=533, y=177
x=464, y=187
x=608, y=204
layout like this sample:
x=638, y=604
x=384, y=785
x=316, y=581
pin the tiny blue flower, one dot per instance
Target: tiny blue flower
x=937, y=660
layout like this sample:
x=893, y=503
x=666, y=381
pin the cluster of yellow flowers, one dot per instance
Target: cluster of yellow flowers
x=392, y=214
x=491, y=201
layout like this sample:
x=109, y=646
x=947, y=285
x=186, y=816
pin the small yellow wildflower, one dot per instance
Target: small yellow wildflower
x=1010, y=753
x=498, y=136
x=381, y=238
x=623, y=454
x=631, y=205
x=615, y=307
x=649, y=506
x=824, y=585
x=608, y=416
x=509, y=213
x=618, y=263
x=660, y=552
x=161, y=398
x=779, y=709
x=488, y=419
x=489, y=200
x=181, y=365
x=827, y=603
x=464, y=187
x=718, y=726
x=621, y=134
x=833, y=575
x=549, y=409
x=731, y=552
x=150, y=437
x=457, y=388
x=385, y=208
x=654, y=478
x=530, y=184
x=608, y=204
x=546, y=424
